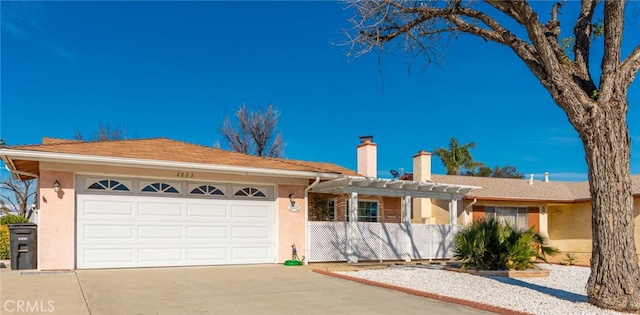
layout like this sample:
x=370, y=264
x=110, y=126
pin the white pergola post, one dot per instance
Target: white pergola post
x=453, y=212
x=352, y=229
x=406, y=219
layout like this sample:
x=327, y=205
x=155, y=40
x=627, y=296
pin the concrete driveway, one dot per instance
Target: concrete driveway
x=257, y=289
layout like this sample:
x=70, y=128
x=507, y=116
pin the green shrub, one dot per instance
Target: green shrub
x=11, y=219
x=4, y=242
x=570, y=259
x=492, y=245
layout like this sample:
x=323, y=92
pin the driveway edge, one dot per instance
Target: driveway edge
x=443, y=298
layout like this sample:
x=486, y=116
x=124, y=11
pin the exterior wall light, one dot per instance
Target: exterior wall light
x=293, y=207
x=56, y=186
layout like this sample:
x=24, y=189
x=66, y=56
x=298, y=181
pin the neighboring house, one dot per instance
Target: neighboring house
x=559, y=210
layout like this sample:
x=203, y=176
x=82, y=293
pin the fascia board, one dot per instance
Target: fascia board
x=129, y=162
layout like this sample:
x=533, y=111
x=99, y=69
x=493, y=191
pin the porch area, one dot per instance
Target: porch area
x=353, y=241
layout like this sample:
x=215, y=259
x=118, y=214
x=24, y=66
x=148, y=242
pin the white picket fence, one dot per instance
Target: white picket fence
x=380, y=241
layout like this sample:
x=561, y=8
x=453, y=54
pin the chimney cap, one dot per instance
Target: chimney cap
x=364, y=139
x=421, y=152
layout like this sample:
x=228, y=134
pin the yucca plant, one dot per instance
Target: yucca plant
x=492, y=245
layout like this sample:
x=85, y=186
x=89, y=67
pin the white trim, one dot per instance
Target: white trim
x=394, y=188
x=171, y=165
x=307, y=237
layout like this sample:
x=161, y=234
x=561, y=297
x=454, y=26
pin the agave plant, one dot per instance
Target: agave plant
x=492, y=245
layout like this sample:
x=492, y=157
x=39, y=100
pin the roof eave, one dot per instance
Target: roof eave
x=517, y=199
x=9, y=154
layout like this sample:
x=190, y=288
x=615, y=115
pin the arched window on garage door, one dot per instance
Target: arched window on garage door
x=207, y=190
x=159, y=188
x=108, y=185
x=250, y=192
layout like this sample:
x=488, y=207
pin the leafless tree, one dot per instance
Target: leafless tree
x=254, y=132
x=18, y=195
x=106, y=133
x=596, y=110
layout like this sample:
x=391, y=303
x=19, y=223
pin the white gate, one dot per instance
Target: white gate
x=380, y=241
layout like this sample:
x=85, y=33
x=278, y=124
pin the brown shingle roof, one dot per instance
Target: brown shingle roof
x=519, y=189
x=163, y=149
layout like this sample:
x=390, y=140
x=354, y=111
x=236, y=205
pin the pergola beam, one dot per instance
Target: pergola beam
x=393, y=188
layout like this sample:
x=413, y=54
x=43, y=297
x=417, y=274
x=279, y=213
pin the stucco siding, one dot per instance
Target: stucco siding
x=56, y=222
x=290, y=224
x=570, y=227
x=440, y=211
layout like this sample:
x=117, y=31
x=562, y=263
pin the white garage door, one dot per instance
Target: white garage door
x=147, y=231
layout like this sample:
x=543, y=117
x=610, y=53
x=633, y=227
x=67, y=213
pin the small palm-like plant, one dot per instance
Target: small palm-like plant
x=492, y=245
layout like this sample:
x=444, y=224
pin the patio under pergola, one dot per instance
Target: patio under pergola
x=355, y=240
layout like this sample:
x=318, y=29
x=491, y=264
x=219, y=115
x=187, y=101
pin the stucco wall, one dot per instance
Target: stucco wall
x=290, y=224
x=440, y=211
x=570, y=227
x=56, y=222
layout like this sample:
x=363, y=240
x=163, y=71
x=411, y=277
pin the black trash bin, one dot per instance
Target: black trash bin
x=23, y=246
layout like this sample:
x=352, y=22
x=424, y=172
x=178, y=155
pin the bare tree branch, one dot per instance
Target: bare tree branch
x=21, y=194
x=254, y=132
x=107, y=133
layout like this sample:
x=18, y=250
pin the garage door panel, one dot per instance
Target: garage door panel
x=107, y=255
x=107, y=208
x=208, y=232
x=204, y=212
x=160, y=255
x=159, y=210
x=107, y=232
x=116, y=231
x=165, y=232
x=250, y=233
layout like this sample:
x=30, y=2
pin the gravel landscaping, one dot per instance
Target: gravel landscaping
x=562, y=292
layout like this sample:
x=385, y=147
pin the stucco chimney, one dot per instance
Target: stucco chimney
x=367, y=157
x=422, y=166
x=531, y=180
x=546, y=177
x=422, y=212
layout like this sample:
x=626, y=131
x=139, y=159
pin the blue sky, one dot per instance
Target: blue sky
x=176, y=69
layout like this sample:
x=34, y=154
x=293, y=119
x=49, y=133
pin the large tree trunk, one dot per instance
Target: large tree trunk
x=615, y=274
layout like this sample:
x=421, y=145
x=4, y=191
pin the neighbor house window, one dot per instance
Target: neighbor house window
x=367, y=211
x=514, y=216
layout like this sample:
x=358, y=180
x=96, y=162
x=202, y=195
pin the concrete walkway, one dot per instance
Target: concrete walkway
x=255, y=289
